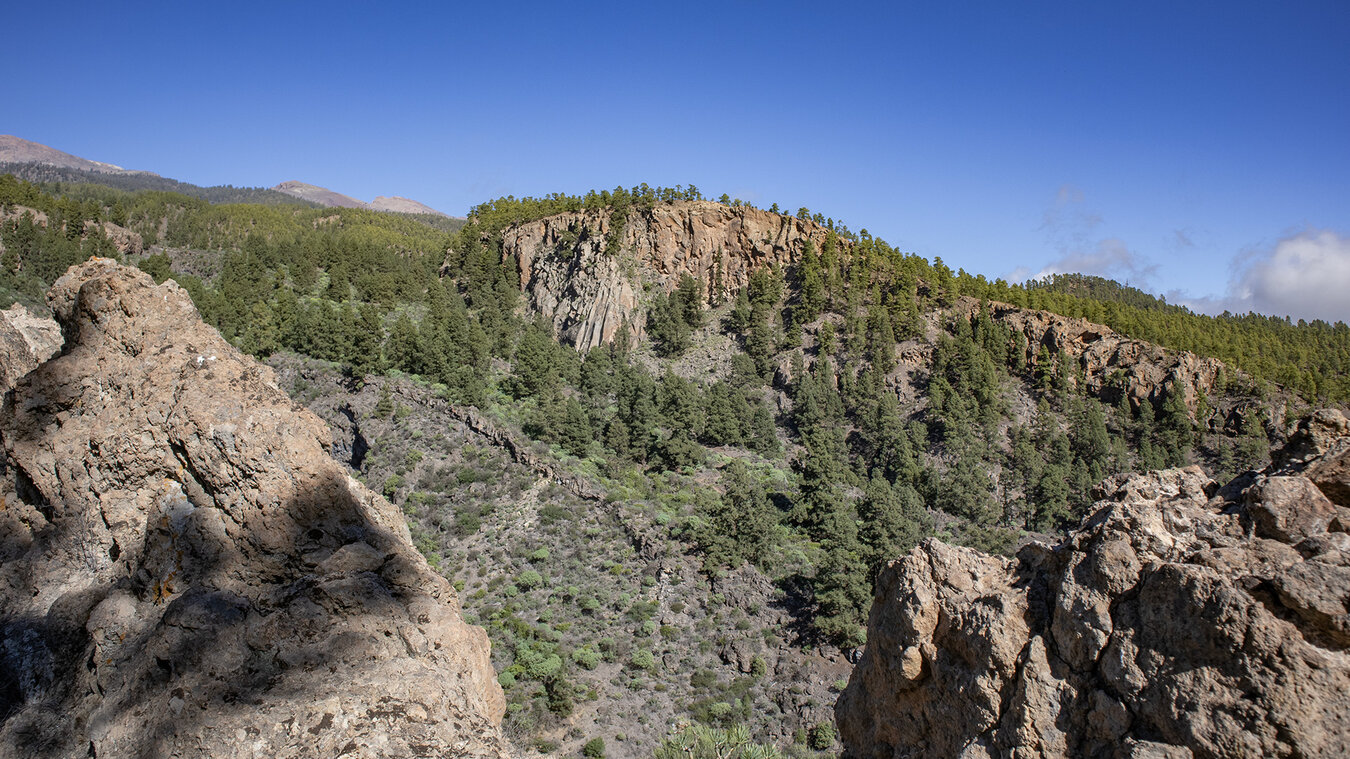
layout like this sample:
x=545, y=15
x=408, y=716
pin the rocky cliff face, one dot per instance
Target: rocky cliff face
x=589, y=295
x=185, y=572
x=1113, y=364
x=1180, y=620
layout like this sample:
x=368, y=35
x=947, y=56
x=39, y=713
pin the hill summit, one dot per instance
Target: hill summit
x=18, y=150
x=326, y=197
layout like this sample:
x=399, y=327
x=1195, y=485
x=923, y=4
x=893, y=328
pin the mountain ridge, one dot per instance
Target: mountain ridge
x=326, y=197
x=18, y=150
x=18, y=153
x=682, y=520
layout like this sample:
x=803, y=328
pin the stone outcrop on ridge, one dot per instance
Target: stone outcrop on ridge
x=589, y=295
x=25, y=341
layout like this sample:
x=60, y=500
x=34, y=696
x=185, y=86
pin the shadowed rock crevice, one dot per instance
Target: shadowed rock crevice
x=1180, y=619
x=206, y=578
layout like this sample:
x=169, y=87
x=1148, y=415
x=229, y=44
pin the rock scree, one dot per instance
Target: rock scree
x=185, y=572
x=1179, y=620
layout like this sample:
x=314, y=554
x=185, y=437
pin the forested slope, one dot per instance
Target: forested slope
x=812, y=423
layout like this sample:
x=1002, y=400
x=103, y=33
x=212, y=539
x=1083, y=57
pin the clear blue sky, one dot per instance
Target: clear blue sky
x=1200, y=149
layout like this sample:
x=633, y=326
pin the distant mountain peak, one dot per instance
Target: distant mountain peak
x=18, y=150
x=327, y=197
x=320, y=195
x=402, y=205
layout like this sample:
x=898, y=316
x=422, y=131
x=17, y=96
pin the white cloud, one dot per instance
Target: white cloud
x=1110, y=258
x=1073, y=231
x=1304, y=276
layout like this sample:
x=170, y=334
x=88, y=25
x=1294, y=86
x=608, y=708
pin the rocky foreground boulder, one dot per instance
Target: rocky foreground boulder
x=1180, y=620
x=185, y=572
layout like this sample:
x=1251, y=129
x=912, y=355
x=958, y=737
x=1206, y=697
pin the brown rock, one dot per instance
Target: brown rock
x=1112, y=364
x=189, y=574
x=1161, y=627
x=1290, y=509
x=718, y=245
x=25, y=341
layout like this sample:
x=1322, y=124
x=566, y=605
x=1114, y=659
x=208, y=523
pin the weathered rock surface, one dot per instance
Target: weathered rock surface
x=1112, y=363
x=184, y=571
x=589, y=295
x=1179, y=620
x=25, y=341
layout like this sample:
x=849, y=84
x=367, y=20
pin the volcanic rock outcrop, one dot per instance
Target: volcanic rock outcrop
x=1113, y=364
x=25, y=342
x=589, y=295
x=1179, y=620
x=185, y=572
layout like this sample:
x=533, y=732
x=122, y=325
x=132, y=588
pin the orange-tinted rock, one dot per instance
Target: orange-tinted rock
x=589, y=295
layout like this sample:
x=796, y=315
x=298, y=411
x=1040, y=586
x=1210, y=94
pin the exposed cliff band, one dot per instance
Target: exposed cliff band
x=588, y=294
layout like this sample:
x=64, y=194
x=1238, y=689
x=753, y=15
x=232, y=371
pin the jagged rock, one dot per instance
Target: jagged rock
x=1112, y=364
x=25, y=341
x=127, y=242
x=1172, y=622
x=718, y=245
x=1321, y=448
x=186, y=572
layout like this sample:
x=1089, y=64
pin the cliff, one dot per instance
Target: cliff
x=1179, y=620
x=1113, y=364
x=589, y=295
x=184, y=571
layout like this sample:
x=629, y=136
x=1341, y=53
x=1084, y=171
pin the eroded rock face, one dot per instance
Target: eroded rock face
x=185, y=572
x=25, y=341
x=589, y=295
x=1179, y=620
x=1113, y=364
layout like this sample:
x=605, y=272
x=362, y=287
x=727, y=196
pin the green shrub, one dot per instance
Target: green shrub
x=529, y=580
x=587, y=658
x=643, y=659
x=594, y=749
x=821, y=737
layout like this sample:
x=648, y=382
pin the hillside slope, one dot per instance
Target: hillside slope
x=770, y=409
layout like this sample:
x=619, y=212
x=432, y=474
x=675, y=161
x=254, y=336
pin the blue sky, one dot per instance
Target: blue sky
x=1201, y=150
